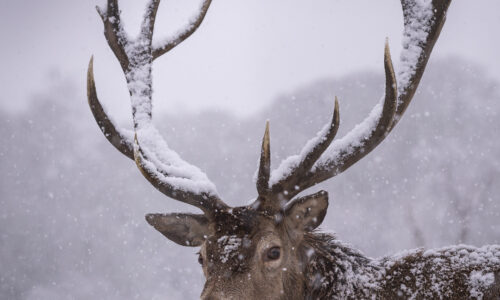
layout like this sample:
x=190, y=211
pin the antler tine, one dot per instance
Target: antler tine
x=114, y=33
x=264, y=164
x=408, y=88
x=160, y=165
x=169, y=44
x=148, y=23
x=423, y=23
x=313, y=150
x=358, y=143
x=205, y=198
x=116, y=137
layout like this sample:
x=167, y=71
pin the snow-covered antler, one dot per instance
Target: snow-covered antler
x=423, y=20
x=168, y=44
x=158, y=163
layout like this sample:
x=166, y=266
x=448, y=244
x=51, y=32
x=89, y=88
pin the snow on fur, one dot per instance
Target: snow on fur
x=230, y=245
x=337, y=271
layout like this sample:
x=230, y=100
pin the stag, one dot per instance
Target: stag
x=270, y=248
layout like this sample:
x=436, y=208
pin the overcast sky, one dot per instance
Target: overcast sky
x=244, y=54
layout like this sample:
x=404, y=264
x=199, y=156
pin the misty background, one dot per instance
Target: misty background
x=72, y=208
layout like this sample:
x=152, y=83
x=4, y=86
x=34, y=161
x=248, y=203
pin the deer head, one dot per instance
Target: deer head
x=258, y=251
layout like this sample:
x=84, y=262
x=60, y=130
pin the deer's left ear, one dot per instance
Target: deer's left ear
x=306, y=213
x=183, y=229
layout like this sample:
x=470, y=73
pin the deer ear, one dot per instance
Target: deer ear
x=307, y=213
x=184, y=229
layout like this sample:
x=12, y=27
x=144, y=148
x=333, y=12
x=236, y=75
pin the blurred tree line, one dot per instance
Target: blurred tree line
x=72, y=207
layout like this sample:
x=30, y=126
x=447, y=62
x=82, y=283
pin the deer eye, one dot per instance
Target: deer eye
x=200, y=259
x=273, y=253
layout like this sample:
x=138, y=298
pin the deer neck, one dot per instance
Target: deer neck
x=336, y=271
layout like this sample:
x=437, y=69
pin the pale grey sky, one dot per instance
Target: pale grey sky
x=244, y=54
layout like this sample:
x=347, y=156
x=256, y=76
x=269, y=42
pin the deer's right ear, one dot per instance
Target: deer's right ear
x=307, y=213
x=184, y=229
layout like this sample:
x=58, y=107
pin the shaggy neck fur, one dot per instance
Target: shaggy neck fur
x=335, y=270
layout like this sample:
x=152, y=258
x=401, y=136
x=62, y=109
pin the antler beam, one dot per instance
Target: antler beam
x=158, y=163
x=423, y=22
x=169, y=44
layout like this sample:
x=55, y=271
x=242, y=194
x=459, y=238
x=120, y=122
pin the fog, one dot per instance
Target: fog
x=244, y=54
x=72, y=220
x=72, y=208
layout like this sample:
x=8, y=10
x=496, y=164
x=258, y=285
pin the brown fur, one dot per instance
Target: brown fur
x=318, y=266
x=239, y=245
x=336, y=271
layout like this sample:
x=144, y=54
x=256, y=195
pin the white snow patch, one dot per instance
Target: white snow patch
x=167, y=165
x=414, y=35
x=344, y=145
x=354, y=138
x=479, y=281
x=229, y=245
x=188, y=27
x=157, y=157
x=291, y=162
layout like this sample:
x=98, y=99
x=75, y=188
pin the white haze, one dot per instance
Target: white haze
x=244, y=54
x=72, y=208
x=72, y=220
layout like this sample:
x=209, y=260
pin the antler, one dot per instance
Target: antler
x=423, y=21
x=160, y=165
